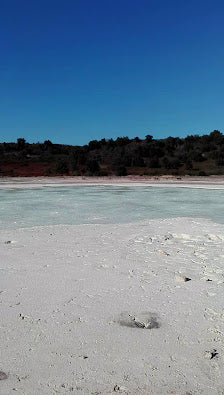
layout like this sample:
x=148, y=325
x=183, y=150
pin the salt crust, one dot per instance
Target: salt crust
x=71, y=297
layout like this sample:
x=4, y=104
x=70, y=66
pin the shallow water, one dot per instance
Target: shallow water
x=105, y=204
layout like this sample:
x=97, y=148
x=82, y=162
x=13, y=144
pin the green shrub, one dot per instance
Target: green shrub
x=202, y=173
x=61, y=167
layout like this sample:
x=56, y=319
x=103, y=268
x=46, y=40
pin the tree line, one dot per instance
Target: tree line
x=193, y=155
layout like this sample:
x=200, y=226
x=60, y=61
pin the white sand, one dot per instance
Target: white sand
x=66, y=296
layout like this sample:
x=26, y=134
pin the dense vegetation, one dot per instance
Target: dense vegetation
x=193, y=155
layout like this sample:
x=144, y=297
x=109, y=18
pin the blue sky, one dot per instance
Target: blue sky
x=78, y=70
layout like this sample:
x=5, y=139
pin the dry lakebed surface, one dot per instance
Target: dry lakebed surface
x=101, y=308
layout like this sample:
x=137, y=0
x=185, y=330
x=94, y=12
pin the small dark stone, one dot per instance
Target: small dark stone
x=3, y=376
x=214, y=354
x=208, y=279
x=118, y=388
x=8, y=242
x=187, y=279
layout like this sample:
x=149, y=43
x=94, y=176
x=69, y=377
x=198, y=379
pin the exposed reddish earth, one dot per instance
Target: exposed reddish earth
x=26, y=169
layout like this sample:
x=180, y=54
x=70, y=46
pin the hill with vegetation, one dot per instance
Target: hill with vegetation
x=192, y=155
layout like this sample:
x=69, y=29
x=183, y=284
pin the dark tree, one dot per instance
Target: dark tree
x=92, y=167
x=21, y=143
x=148, y=138
x=61, y=167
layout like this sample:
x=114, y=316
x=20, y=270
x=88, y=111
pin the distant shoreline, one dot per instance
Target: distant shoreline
x=214, y=182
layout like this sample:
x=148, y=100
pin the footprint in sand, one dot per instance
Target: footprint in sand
x=3, y=376
x=144, y=320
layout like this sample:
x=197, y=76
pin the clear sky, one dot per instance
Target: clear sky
x=78, y=70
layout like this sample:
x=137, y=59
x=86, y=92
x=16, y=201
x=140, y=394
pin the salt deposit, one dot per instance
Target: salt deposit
x=69, y=295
